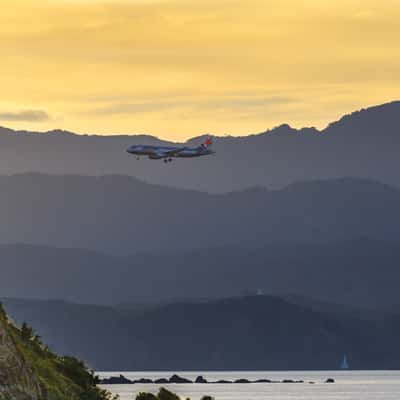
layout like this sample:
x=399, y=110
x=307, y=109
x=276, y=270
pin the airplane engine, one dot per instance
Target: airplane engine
x=155, y=157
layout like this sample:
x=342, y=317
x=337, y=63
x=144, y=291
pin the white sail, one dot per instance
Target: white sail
x=344, y=364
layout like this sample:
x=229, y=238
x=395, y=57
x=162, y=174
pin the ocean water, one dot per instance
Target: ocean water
x=350, y=385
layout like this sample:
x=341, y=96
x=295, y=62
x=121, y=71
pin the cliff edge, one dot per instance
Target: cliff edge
x=31, y=371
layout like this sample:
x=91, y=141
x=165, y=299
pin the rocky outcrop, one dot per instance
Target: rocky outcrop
x=179, y=379
x=200, y=379
x=116, y=380
x=161, y=381
x=17, y=378
x=242, y=380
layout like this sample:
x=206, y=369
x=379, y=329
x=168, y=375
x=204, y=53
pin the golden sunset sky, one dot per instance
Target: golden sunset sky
x=179, y=68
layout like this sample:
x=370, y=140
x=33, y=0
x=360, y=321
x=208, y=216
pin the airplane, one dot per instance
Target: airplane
x=166, y=153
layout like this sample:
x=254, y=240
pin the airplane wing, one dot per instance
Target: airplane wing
x=175, y=151
x=167, y=153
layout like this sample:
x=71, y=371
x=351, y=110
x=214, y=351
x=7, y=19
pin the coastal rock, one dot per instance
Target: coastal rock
x=242, y=381
x=161, y=381
x=179, y=379
x=143, y=380
x=116, y=380
x=200, y=379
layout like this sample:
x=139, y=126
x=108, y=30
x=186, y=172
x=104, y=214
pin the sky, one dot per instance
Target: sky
x=181, y=68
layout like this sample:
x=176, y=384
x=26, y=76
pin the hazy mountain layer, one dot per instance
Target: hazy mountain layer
x=359, y=272
x=122, y=215
x=363, y=144
x=262, y=332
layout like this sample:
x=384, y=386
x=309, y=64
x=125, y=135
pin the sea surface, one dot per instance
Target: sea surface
x=350, y=385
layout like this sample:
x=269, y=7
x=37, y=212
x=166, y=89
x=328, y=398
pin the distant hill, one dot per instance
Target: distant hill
x=122, y=215
x=363, y=144
x=358, y=272
x=263, y=332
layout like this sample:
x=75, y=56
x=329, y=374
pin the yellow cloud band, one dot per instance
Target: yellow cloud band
x=181, y=68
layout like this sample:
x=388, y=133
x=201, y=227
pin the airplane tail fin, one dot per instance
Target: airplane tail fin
x=207, y=143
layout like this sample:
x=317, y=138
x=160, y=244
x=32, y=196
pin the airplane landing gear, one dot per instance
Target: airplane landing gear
x=169, y=159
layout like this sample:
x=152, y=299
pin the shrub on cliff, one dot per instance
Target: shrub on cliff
x=45, y=375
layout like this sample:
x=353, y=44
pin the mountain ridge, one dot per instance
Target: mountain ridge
x=393, y=105
x=120, y=214
x=363, y=144
x=285, y=334
x=359, y=273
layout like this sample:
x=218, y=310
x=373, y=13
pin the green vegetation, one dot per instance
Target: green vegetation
x=30, y=370
x=45, y=375
x=164, y=394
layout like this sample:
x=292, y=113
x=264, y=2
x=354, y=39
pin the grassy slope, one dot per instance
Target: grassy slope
x=44, y=374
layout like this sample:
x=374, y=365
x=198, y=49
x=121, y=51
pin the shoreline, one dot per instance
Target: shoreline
x=177, y=379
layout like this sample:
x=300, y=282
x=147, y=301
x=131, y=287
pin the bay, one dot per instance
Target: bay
x=349, y=385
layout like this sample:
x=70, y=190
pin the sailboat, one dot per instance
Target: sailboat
x=344, y=364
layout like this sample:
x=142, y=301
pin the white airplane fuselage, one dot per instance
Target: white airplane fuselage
x=168, y=152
